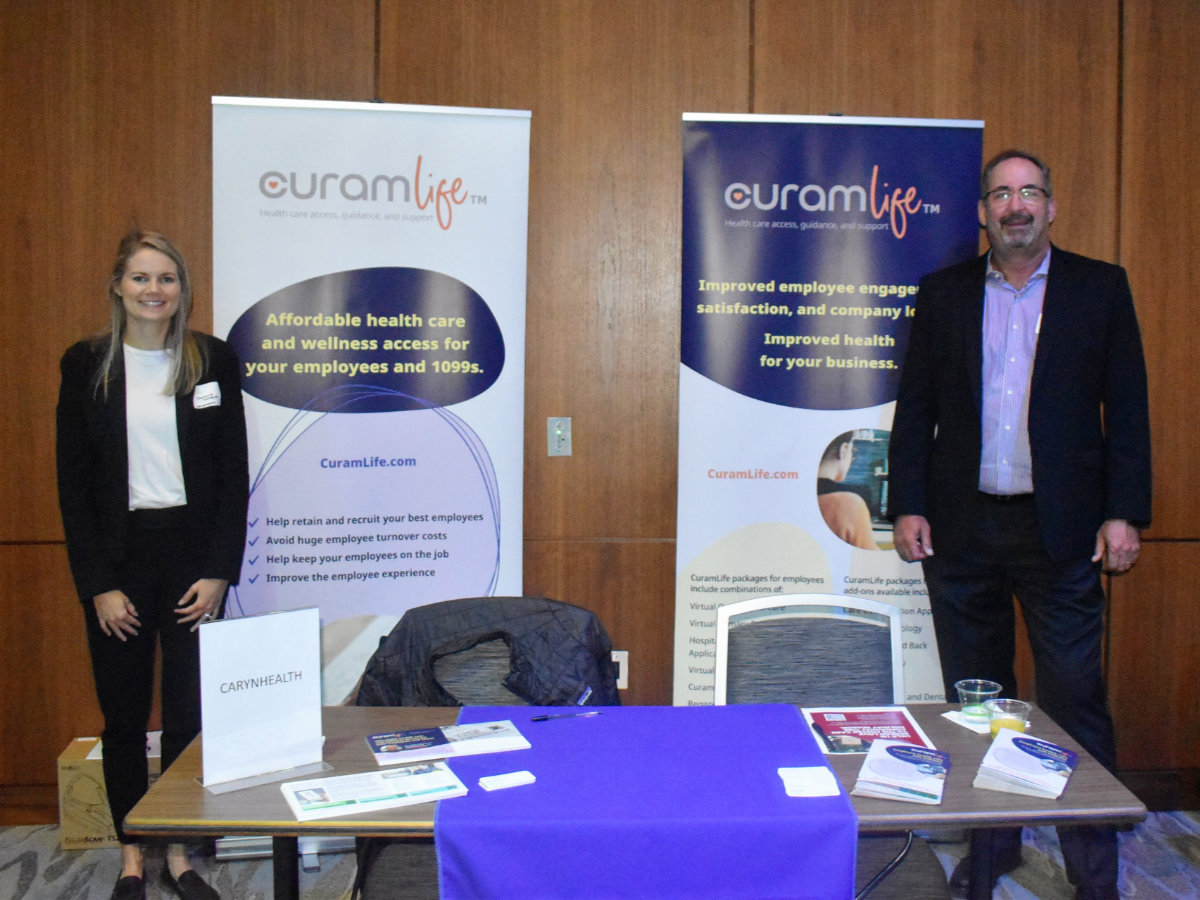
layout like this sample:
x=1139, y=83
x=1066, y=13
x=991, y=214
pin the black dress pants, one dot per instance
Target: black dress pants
x=161, y=564
x=971, y=589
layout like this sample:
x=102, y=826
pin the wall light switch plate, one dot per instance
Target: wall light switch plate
x=558, y=436
x=621, y=658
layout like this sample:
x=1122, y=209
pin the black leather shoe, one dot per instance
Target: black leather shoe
x=1108, y=892
x=129, y=888
x=960, y=878
x=189, y=886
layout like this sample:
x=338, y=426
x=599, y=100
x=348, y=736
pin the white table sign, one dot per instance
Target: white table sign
x=260, y=694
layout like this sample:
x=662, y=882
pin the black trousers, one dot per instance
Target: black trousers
x=162, y=563
x=971, y=594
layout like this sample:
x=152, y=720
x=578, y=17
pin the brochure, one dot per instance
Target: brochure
x=851, y=729
x=341, y=795
x=895, y=770
x=392, y=747
x=1020, y=764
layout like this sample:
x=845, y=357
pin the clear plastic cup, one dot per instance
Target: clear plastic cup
x=1004, y=713
x=972, y=694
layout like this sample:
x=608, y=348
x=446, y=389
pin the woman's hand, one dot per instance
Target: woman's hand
x=117, y=615
x=201, y=602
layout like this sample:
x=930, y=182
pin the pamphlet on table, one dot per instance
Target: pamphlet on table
x=851, y=729
x=1020, y=764
x=341, y=795
x=895, y=770
x=447, y=741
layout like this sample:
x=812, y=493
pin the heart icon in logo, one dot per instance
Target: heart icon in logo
x=272, y=184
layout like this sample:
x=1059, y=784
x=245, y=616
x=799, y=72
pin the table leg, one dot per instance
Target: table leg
x=981, y=864
x=285, y=855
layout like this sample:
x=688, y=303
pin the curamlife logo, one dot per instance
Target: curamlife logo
x=443, y=195
x=877, y=201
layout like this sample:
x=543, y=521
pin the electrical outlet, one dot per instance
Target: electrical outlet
x=558, y=436
x=621, y=659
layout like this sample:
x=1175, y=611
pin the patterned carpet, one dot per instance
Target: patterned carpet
x=32, y=867
x=1160, y=860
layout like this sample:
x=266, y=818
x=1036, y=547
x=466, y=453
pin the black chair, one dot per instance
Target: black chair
x=478, y=651
x=828, y=650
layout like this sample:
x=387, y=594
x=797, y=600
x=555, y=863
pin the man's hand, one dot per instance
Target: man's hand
x=913, y=541
x=1117, y=543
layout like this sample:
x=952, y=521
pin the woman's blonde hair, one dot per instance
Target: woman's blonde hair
x=187, y=356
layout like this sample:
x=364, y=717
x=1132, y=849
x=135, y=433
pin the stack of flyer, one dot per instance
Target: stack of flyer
x=419, y=773
x=1020, y=764
x=897, y=770
x=341, y=795
x=445, y=742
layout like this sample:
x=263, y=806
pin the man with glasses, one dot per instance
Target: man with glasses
x=1020, y=449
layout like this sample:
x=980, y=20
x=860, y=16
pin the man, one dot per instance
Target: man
x=1020, y=449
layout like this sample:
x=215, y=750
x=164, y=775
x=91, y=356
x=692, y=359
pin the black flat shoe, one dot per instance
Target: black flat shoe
x=189, y=886
x=129, y=888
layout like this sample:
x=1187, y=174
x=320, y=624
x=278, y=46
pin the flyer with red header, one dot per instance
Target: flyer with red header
x=851, y=729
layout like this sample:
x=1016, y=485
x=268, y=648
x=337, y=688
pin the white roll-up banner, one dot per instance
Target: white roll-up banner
x=369, y=266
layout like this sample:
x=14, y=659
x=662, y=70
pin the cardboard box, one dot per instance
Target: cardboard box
x=84, y=820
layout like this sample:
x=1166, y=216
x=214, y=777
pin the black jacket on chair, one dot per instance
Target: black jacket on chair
x=560, y=654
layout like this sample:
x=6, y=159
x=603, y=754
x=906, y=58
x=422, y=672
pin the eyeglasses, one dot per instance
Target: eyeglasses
x=1031, y=193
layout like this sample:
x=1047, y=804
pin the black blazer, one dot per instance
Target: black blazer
x=93, y=467
x=1089, y=429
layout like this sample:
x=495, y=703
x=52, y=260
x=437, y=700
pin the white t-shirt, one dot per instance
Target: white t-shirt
x=155, y=466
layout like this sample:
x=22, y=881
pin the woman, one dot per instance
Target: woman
x=153, y=487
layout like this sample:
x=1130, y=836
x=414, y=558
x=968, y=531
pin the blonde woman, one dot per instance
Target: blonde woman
x=153, y=489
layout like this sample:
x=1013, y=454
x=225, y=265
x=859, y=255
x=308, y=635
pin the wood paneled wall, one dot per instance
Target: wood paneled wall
x=105, y=108
x=106, y=119
x=1154, y=660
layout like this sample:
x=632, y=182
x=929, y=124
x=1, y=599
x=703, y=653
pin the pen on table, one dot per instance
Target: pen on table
x=578, y=715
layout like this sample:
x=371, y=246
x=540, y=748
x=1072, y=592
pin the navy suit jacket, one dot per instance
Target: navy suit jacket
x=1089, y=429
x=93, y=467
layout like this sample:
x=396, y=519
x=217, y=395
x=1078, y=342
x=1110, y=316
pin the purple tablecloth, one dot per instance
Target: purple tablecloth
x=647, y=801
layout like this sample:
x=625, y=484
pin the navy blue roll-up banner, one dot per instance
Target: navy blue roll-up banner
x=804, y=239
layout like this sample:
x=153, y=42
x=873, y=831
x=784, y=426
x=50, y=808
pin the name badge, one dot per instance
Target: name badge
x=207, y=395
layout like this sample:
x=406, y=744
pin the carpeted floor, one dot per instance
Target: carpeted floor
x=32, y=867
x=1160, y=860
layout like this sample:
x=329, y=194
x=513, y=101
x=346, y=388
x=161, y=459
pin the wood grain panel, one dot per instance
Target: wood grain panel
x=105, y=108
x=48, y=697
x=606, y=83
x=1159, y=235
x=1154, y=660
x=1045, y=80
x=106, y=116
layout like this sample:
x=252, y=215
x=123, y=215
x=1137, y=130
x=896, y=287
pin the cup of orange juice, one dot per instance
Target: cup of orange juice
x=1004, y=713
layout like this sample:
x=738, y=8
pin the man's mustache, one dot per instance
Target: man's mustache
x=1017, y=218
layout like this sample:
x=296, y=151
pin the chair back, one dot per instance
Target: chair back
x=810, y=649
x=475, y=676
